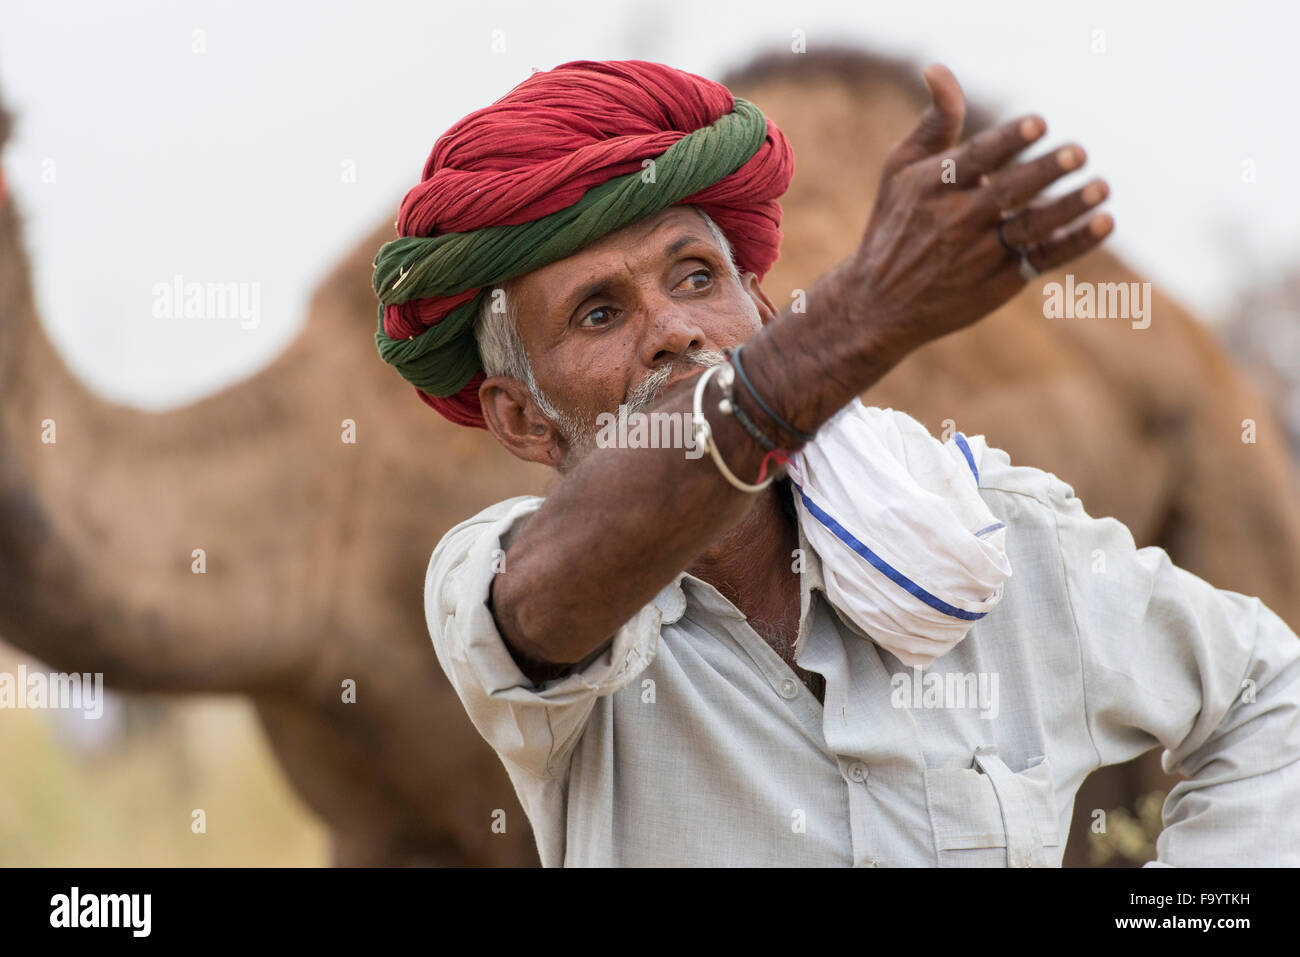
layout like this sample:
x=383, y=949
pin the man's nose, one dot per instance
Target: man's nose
x=673, y=332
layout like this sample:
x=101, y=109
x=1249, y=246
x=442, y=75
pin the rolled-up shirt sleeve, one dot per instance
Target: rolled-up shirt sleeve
x=1210, y=675
x=532, y=727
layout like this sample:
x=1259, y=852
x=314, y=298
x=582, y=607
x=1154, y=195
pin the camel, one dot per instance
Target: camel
x=1261, y=330
x=314, y=548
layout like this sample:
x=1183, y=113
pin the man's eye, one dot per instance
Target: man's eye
x=588, y=322
x=699, y=272
x=598, y=309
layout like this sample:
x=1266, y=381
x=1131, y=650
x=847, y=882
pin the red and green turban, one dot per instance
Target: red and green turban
x=552, y=166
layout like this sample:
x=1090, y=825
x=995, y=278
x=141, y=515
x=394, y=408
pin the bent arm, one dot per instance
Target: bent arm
x=625, y=522
x=1211, y=675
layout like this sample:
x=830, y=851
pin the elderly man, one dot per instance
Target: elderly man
x=809, y=633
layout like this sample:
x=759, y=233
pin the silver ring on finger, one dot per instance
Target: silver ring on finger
x=1027, y=271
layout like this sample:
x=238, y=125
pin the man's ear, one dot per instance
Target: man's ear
x=766, y=310
x=514, y=420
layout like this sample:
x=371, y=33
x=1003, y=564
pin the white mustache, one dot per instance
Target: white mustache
x=647, y=390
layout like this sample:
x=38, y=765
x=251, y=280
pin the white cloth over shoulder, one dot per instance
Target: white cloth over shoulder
x=910, y=552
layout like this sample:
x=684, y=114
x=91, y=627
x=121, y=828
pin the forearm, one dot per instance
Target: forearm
x=625, y=522
x=808, y=366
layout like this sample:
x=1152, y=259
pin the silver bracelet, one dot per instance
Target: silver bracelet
x=704, y=434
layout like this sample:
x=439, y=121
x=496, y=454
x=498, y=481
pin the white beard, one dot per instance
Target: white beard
x=581, y=435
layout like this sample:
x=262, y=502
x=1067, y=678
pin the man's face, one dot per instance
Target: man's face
x=621, y=318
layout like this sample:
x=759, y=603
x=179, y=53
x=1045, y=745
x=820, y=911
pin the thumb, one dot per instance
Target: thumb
x=940, y=125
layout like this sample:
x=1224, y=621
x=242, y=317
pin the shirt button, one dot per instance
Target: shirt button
x=788, y=688
x=857, y=772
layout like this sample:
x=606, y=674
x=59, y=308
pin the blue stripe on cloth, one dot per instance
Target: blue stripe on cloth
x=965, y=450
x=897, y=577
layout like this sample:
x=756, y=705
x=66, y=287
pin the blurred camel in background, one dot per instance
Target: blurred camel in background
x=1262, y=328
x=316, y=548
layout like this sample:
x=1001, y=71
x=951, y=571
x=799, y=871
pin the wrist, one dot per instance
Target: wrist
x=788, y=378
x=809, y=366
x=859, y=320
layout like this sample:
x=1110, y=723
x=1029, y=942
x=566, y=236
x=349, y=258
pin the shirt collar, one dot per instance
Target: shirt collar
x=673, y=597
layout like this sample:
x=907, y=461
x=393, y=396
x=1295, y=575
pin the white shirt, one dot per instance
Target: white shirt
x=690, y=742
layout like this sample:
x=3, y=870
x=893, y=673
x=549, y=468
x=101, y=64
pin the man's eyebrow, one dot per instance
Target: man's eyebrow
x=600, y=285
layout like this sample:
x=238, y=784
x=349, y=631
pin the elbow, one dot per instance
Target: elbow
x=533, y=622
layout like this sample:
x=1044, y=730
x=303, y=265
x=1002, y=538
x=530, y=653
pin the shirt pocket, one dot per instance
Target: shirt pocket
x=989, y=816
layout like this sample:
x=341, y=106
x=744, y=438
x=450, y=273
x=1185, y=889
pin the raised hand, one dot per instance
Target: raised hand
x=931, y=260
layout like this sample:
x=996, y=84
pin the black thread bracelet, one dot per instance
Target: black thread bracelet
x=734, y=356
x=743, y=418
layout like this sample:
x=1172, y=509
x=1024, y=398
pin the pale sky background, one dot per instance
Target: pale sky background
x=225, y=166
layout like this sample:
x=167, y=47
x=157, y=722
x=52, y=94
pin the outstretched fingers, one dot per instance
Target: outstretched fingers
x=940, y=125
x=1057, y=250
x=990, y=150
x=1036, y=223
x=1013, y=187
x=1071, y=244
